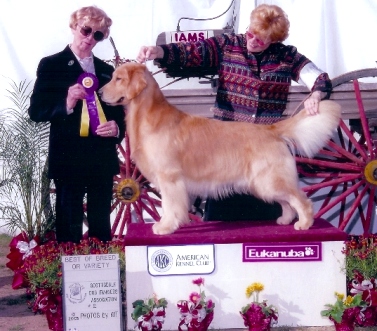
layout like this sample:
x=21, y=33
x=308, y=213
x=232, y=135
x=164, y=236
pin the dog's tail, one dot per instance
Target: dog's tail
x=309, y=133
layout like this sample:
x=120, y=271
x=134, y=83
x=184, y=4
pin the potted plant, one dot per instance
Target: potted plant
x=197, y=312
x=258, y=316
x=361, y=255
x=345, y=312
x=149, y=314
x=361, y=272
x=25, y=204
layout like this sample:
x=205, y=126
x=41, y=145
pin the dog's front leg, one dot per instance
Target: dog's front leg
x=174, y=206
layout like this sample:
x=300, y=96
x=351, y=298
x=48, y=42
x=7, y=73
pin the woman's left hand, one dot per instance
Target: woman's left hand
x=108, y=129
x=312, y=103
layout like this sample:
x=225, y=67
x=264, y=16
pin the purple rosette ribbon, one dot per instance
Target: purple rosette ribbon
x=92, y=112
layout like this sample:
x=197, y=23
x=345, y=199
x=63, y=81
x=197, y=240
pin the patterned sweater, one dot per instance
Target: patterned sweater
x=251, y=88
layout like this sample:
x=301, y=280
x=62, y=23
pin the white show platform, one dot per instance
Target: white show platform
x=300, y=270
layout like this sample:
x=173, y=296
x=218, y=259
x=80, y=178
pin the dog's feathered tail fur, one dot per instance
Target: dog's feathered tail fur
x=308, y=133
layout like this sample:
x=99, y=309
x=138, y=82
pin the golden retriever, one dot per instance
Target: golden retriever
x=186, y=155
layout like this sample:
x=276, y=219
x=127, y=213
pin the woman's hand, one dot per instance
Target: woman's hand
x=150, y=53
x=75, y=92
x=312, y=103
x=108, y=129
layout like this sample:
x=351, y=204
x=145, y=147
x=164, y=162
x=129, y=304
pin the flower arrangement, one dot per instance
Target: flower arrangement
x=361, y=255
x=43, y=266
x=197, y=312
x=258, y=315
x=361, y=272
x=38, y=268
x=345, y=311
x=149, y=314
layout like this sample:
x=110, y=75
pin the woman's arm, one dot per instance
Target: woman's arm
x=49, y=97
x=318, y=82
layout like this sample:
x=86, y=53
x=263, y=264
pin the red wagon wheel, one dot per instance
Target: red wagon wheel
x=135, y=200
x=342, y=178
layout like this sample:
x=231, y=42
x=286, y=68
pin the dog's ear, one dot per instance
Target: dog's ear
x=136, y=84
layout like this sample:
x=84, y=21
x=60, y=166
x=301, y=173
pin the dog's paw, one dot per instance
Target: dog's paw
x=302, y=225
x=283, y=220
x=161, y=229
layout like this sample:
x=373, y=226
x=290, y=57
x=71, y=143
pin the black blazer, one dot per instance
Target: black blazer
x=72, y=156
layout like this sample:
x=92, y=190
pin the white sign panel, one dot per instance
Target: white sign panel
x=91, y=292
x=181, y=260
x=188, y=36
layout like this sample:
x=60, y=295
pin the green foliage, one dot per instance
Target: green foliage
x=24, y=189
x=143, y=307
x=361, y=255
x=43, y=268
x=336, y=310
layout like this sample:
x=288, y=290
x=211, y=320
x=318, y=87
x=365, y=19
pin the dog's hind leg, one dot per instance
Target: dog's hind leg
x=288, y=214
x=304, y=208
x=175, y=203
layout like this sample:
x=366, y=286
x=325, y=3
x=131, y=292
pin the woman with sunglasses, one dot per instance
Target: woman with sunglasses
x=84, y=132
x=255, y=71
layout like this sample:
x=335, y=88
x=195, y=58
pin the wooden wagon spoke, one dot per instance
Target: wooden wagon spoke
x=328, y=153
x=330, y=164
x=352, y=140
x=345, y=153
x=122, y=151
x=152, y=202
x=127, y=214
x=338, y=199
x=115, y=204
x=355, y=204
x=154, y=215
x=138, y=211
x=370, y=208
x=363, y=119
x=328, y=183
x=135, y=175
x=117, y=218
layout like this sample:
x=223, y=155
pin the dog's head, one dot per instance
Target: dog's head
x=127, y=83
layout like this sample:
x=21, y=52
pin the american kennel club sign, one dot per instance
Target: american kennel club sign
x=181, y=260
x=281, y=252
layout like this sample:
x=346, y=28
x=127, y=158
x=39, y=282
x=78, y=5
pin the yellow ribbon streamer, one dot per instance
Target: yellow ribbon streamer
x=84, y=126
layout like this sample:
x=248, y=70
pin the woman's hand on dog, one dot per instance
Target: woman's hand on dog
x=312, y=103
x=150, y=53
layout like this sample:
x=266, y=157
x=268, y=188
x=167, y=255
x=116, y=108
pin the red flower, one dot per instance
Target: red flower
x=199, y=281
x=194, y=297
x=210, y=304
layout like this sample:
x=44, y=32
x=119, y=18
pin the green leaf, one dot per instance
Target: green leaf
x=25, y=203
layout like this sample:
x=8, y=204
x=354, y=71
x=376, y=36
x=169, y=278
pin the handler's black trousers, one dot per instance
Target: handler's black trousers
x=70, y=209
x=241, y=207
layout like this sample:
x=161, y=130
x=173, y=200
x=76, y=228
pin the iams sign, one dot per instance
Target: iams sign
x=188, y=36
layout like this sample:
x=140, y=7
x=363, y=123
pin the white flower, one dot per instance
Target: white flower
x=26, y=248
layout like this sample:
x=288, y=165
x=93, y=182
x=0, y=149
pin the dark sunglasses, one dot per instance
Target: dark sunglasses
x=249, y=35
x=87, y=31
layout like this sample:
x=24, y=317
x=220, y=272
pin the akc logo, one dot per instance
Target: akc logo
x=161, y=260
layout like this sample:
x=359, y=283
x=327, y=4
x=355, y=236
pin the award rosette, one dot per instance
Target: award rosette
x=92, y=113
